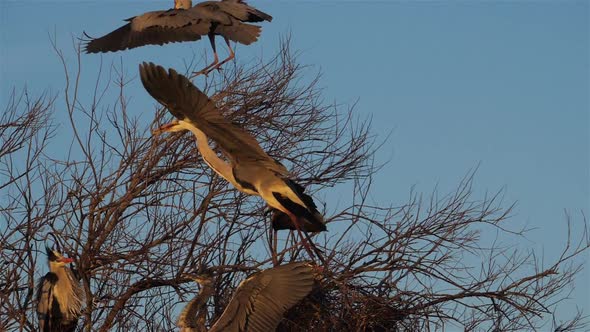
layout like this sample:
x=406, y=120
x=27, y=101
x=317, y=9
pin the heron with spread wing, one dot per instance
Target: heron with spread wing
x=250, y=169
x=258, y=304
x=59, y=296
x=187, y=23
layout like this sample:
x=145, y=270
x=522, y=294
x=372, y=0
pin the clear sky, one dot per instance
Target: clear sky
x=503, y=85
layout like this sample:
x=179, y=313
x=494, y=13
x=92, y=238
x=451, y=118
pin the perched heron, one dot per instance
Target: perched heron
x=59, y=296
x=187, y=23
x=250, y=169
x=258, y=303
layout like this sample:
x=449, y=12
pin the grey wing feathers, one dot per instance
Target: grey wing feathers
x=44, y=300
x=243, y=12
x=260, y=301
x=187, y=102
x=239, y=32
x=153, y=28
x=229, y=15
x=175, y=92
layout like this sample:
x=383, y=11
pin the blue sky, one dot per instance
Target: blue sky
x=501, y=85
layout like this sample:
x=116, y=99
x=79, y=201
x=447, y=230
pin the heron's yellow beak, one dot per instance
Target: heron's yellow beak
x=199, y=279
x=165, y=128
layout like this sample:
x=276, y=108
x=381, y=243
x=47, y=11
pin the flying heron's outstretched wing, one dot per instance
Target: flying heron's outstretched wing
x=153, y=28
x=260, y=301
x=186, y=102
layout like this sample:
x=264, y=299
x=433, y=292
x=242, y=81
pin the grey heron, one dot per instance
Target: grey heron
x=280, y=220
x=187, y=23
x=59, y=296
x=250, y=169
x=258, y=304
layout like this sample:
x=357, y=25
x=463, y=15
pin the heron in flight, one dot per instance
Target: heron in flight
x=59, y=296
x=250, y=169
x=280, y=220
x=187, y=23
x=258, y=304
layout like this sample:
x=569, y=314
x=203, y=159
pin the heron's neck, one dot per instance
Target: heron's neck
x=68, y=292
x=220, y=167
x=195, y=314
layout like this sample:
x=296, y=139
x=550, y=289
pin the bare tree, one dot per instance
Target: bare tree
x=137, y=212
x=25, y=132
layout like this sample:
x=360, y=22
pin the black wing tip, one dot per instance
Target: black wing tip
x=259, y=18
x=264, y=16
x=87, y=39
x=151, y=77
x=145, y=72
x=168, y=87
x=151, y=70
x=281, y=221
x=108, y=43
x=255, y=15
x=146, y=66
x=154, y=69
x=90, y=49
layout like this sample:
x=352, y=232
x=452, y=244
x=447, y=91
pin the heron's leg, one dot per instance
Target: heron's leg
x=272, y=238
x=317, y=251
x=276, y=246
x=210, y=67
x=272, y=241
x=304, y=239
x=230, y=57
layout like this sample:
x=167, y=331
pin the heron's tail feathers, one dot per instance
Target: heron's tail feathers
x=280, y=221
x=310, y=219
x=242, y=11
x=240, y=32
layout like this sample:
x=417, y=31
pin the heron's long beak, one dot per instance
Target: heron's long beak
x=196, y=277
x=165, y=128
x=199, y=279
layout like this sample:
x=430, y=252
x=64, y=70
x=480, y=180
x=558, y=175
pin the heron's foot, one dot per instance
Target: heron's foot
x=313, y=250
x=200, y=72
x=274, y=258
x=205, y=72
x=317, y=269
